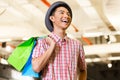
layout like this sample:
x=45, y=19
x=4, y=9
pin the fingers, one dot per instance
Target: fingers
x=50, y=40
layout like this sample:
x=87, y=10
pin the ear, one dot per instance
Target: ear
x=51, y=18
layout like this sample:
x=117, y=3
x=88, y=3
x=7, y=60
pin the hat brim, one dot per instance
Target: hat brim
x=48, y=22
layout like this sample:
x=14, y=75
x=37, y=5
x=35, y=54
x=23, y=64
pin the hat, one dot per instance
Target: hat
x=55, y=5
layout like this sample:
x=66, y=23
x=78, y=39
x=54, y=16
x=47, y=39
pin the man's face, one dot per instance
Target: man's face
x=61, y=18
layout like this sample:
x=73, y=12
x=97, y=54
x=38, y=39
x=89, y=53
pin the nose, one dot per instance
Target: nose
x=66, y=15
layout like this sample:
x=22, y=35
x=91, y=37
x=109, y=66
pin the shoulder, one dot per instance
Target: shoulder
x=41, y=39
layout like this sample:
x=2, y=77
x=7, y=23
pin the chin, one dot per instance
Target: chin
x=65, y=28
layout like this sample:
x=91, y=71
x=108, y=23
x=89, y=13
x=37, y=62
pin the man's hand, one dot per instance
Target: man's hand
x=50, y=41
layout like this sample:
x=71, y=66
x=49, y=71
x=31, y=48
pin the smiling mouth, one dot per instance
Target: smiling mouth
x=65, y=21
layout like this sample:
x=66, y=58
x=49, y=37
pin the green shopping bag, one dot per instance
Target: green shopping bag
x=20, y=55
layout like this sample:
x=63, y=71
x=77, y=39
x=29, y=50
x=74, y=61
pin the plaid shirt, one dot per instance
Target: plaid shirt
x=67, y=58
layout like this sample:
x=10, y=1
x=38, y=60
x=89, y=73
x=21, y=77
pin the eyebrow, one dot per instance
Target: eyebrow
x=63, y=11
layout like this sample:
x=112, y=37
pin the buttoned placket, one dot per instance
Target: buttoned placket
x=59, y=42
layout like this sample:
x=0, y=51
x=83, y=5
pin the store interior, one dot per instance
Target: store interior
x=96, y=23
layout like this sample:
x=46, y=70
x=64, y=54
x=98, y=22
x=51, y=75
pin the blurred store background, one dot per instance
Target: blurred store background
x=95, y=22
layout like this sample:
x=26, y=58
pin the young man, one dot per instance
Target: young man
x=58, y=56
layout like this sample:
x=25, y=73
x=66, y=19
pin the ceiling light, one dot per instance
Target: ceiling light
x=109, y=65
x=88, y=60
x=3, y=61
x=114, y=58
x=5, y=40
x=94, y=34
x=8, y=48
x=25, y=38
x=101, y=49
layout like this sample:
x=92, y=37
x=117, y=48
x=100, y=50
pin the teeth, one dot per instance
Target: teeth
x=65, y=21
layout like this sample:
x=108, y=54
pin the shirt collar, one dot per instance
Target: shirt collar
x=57, y=38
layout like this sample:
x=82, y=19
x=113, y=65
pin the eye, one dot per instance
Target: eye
x=68, y=14
x=61, y=12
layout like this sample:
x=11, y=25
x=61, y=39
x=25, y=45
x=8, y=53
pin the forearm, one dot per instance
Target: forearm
x=83, y=75
x=39, y=63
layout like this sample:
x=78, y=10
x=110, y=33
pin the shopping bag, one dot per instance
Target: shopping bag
x=27, y=70
x=21, y=53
